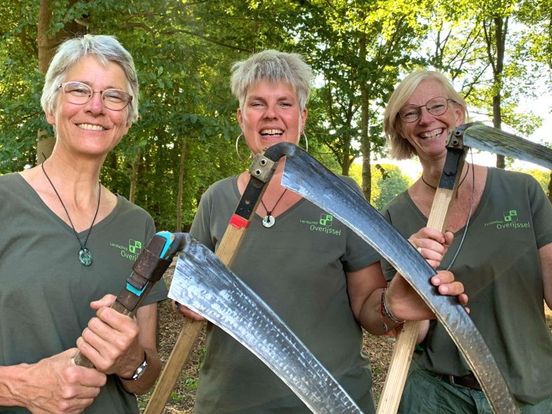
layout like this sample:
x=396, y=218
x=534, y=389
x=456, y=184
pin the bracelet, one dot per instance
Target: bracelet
x=386, y=312
x=139, y=371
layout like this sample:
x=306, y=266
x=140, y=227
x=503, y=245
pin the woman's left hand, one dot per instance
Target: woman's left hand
x=405, y=303
x=432, y=244
x=111, y=340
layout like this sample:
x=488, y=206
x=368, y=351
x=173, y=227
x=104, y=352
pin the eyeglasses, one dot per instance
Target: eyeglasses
x=79, y=93
x=436, y=106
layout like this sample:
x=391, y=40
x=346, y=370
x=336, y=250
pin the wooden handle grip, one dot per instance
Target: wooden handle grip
x=180, y=353
x=406, y=341
x=178, y=357
x=80, y=359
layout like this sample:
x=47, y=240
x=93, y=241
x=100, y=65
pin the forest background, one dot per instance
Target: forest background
x=497, y=52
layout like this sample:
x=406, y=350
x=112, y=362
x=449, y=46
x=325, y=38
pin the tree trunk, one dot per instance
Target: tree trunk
x=181, y=177
x=500, y=31
x=45, y=143
x=497, y=123
x=550, y=187
x=136, y=165
x=346, y=165
x=46, y=50
x=365, y=147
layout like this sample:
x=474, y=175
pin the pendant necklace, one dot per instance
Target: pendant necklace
x=269, y=220
x=85, y=256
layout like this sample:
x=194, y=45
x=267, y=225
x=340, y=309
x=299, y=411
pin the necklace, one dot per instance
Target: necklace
x=472, y=198
x=269, y=220
x=85, y=256
x=428, y=184
x=459, y=184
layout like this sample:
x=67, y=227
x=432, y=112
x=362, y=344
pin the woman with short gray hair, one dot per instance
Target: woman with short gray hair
x=68, y=244
x=273, y=66
x=313, y=278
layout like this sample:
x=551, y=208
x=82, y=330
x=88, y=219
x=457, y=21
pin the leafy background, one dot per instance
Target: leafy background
x=184, y=50
x=497, y=52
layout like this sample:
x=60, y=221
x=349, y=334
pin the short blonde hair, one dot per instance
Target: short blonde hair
x=400, y=148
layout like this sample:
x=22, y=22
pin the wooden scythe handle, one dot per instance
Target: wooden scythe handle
x=190, y=331
x=261, y=171
x=406, y=340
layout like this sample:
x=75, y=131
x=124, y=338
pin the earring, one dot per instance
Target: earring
x=306, y=141
x=236, y=144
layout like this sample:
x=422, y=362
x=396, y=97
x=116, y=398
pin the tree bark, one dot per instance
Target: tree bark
x=550, y=187
x=45, y=142
x=365, y=147
x=46, y=50
x=500, y=31
x=181, y=178
x=136, y=166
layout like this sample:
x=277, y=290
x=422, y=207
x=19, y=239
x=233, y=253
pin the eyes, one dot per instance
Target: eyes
x=262, y=104
x=79, y=93
x=436, y=107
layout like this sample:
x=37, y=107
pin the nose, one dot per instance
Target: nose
x=425, y=116
x=270, y=112
x=95, y=104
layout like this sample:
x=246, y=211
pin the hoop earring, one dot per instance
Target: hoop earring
x=306, y=141
x=236, y=145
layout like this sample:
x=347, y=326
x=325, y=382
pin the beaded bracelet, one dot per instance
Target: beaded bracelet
x=386, y=312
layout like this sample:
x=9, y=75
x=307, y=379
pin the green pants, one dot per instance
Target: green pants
x=425, y=393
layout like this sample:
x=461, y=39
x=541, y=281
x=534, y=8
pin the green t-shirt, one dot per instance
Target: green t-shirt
x=500, y=267
x=45, y=292
x=298, y=267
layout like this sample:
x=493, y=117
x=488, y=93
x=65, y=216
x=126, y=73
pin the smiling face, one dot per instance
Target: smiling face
x=270, y=114
x=428, y=135
x=90, y=128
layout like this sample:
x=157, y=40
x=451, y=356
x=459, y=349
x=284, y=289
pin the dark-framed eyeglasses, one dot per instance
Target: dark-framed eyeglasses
x=436, y=106
x=79, y=93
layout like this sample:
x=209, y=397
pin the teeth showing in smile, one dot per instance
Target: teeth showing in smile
x=91, y=127
x=431, y=134
x=271, y=132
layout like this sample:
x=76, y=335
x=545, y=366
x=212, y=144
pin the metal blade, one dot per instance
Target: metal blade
x=205, y=285
x=305, y=176
x=486, y=138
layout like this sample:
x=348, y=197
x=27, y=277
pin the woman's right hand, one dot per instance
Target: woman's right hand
x=187, y=312
x=432, y=244
x=57, y=385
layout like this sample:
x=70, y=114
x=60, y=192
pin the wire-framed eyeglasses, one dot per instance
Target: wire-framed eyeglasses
x=79, y=93
x=436, y=106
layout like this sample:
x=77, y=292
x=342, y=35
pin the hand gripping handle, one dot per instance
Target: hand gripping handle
x=149, y=267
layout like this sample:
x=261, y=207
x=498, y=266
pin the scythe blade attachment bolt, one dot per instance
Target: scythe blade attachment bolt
x=261, y=168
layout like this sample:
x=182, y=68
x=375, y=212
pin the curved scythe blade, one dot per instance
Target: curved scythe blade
x=206, y=286
x=486, y=138
x=305, y=176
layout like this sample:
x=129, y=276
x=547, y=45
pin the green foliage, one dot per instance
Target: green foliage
x=184, y=50
x=542, y=177
x=389, y=183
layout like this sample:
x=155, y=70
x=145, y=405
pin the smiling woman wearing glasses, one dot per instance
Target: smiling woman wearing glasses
x=502, y=252
x=61, y=250
x=435, y=106
x=80, y=93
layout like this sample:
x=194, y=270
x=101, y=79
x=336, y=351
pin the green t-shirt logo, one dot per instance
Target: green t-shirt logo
x=510, y=216
x=326, y=220
x=134, y=246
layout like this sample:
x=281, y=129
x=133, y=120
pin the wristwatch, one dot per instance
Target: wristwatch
x=139, y=371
